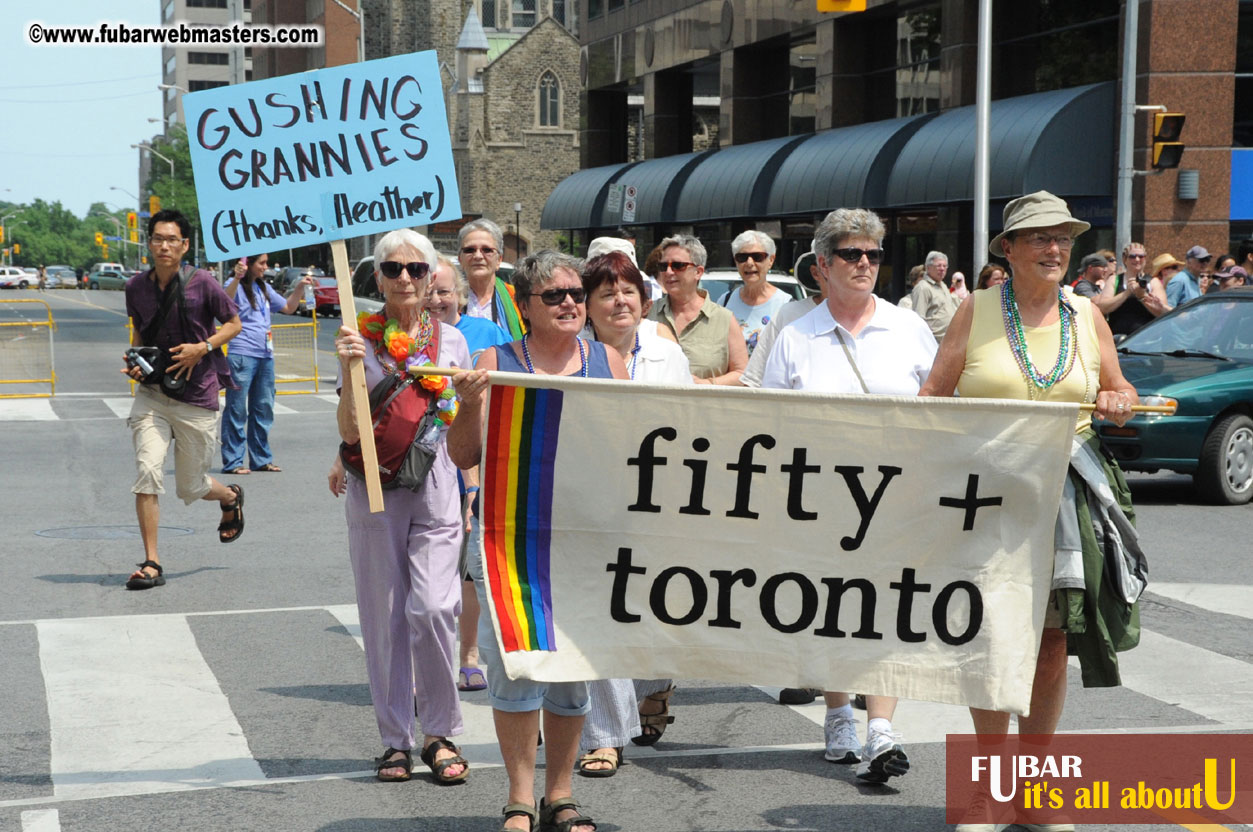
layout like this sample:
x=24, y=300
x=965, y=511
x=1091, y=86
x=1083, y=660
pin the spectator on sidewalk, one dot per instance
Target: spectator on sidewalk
x=1186, y=285
x=931, y=298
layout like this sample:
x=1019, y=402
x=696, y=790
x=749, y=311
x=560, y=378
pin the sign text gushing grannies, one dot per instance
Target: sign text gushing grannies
x=315, y=156
x=882, y=545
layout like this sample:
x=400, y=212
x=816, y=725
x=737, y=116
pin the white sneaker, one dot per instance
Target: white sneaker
x=884, y=754
x=840, y=733
x=1048, y=827
x=981, y=806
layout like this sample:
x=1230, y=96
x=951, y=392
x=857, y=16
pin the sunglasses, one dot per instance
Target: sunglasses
x=755, y=256
x=392, y=269
x=675, y=266
x=486, y=251
x=555, y=297
x=854, y=255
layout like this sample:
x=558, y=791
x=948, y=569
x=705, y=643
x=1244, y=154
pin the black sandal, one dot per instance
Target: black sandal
x=236, y=523
x=405, y=762
x=548, y=814
x=147, y=581
x=519, y=810
x=438, y=767
x=656, y=722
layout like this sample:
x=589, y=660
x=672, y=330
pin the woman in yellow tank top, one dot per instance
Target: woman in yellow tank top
x=1028, y=339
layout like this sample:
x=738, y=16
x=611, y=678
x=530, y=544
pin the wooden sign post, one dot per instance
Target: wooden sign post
x=322, y=156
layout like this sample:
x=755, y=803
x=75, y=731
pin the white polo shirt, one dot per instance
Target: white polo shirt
x=894, y=353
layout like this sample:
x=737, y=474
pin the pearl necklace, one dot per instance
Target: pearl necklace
x=1017, y=338
x=526, y=353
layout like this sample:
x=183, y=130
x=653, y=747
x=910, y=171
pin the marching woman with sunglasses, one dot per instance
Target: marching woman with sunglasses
x=405, y=558
x=551, y=299
x=708, y=334
x=755, y=303
x=854, y=343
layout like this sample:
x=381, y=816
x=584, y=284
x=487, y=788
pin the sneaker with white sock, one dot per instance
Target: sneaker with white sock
x=884, y=754
x=978, y=812
x=840, y=732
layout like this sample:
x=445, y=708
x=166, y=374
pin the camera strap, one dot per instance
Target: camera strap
x=172, y=292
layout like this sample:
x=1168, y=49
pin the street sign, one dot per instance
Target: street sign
x=628, y=209
x=613, y=199
x=113, y=239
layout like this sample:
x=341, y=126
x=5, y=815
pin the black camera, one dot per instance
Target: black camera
x=146, y=359
x=1143, y=280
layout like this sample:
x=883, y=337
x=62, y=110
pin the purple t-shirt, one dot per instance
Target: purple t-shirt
x=205, y=303
x=251, y=340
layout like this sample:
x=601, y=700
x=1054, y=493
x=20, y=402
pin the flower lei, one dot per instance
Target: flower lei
x=389, y=338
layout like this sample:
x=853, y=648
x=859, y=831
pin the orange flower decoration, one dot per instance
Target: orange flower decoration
x=435, y=384
x=400, y=346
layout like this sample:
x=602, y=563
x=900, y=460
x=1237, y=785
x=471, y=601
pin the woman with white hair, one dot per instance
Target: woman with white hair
x=479, y=244
x=756, y=302
x=404, y=559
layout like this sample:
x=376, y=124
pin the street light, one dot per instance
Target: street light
x=517, y=231
x=158, y=154
x=123, y=190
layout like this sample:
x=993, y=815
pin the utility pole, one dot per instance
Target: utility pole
x=1127, y=123
x=983, y=108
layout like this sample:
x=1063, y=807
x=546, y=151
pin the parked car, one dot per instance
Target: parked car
x=286, y=277
x=718, y=281
x=1200, y=357
x=365, y=290
x=325, y=297
x=64, y=276
x=11, y=277
x=107, y=279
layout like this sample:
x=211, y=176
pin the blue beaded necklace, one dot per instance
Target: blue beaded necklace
x=526, y=354
x=1017, y=338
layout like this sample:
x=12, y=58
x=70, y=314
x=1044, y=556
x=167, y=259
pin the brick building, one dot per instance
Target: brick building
x=876, y=109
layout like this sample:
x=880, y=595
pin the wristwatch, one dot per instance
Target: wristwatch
x=208, y=346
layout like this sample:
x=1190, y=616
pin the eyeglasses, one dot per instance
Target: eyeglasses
x=161, y=242
x=1040, y=240
x=555, y=297
x=756, y=256
x=486, y=251
x=1135, y=256
x=392, y=269
x=854, y=255
x=675, y=266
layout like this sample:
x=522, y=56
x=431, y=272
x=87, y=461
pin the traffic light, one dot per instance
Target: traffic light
x=99, y=238
x=841, y=5
x=17, y=248
x=1, y=234
x=132, y=220
x=1167, y=149
x=154, y=204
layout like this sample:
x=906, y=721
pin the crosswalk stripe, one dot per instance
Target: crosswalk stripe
x=120, y=407
x=1201, y=681
x=26, y=410
x=1230, y=599
x=133, y=704
x=282, y=409
x=41, y=820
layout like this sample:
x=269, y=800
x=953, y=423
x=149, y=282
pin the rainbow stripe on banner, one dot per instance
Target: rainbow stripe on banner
x=522, y=426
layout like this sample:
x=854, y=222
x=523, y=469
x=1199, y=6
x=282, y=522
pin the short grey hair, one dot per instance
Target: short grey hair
x=688, y=243
x=843, y=223
x=751, y=237
x=394, y=241
x=537, y=271
x=483, y=224
x=459, y=282
x=933, y=256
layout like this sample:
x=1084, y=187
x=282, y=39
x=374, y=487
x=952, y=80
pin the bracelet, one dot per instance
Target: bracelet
x=472, y=489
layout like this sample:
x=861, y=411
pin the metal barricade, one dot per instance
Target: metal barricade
x=295, y=356
x=27, y=358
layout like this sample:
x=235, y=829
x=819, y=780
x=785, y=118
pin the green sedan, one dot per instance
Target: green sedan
x=1199, y=356
x=107, y=279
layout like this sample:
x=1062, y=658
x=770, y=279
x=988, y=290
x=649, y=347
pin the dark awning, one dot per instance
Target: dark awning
x=845, y=167
x=657, y=183
x=1060, y=141
x=732, y=182
x=571, y=202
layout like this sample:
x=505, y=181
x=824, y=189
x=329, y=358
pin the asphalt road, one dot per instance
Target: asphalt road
x=271, y=726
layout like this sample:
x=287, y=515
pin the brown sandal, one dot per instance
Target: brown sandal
x=654, y=725
x=438, y=767
x=614, y=761
x=384, y=762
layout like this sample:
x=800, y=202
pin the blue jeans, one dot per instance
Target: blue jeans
x=255, y=377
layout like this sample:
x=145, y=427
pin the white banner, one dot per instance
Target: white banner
x=882, y=545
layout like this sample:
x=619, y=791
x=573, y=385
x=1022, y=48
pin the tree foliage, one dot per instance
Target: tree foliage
x=50, y=234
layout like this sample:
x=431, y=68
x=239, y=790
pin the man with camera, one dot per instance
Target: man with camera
x=1132, y=299
x=177, y=358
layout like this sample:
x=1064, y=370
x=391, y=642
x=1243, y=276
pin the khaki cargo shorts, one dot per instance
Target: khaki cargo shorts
x=155, y=420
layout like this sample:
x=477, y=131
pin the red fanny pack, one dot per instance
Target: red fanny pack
x=406, y=430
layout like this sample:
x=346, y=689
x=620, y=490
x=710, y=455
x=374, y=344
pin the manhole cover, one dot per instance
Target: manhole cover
x=105, y=532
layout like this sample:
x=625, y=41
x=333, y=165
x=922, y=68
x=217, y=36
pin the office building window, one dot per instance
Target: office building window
x=595, y=8
x=489, y=14
x=196, y=86
x=908, y=83
x=170, y=65
x=206, y=4
x=1053, y=44
x=1242, y=124
x=615, y=5
x=523, y=14
x=216, y=58
x=549, y=100
x=167, y=11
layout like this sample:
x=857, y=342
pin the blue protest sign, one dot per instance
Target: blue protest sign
x=324, y=155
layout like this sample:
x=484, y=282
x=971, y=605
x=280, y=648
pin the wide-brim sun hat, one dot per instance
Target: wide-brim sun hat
x=604, y=245
x=1161, y=261
x=801, y=271
x=1038, y=210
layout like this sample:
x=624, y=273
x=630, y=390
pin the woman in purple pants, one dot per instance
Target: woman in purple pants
x=405, y=558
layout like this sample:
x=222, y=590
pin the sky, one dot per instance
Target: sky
x=71, y=113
